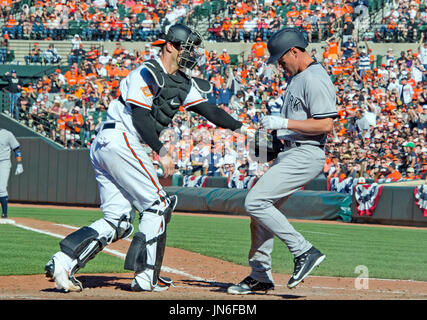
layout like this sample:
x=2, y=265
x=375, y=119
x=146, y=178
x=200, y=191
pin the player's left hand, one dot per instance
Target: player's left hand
x=274, y=123
x=19, y=169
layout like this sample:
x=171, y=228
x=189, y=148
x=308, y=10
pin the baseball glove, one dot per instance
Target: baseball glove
x=269, y=141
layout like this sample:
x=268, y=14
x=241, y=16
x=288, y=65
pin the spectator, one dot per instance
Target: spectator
x=34, y=56
x=76, y=42
x=224, y=95
x=225, y=59
x=4, y=49
x=248, y=30
x=258, y=48
x=407, y=91
x=275, y=104
x=51, y=55
x=38, y=30
x=105, y=58
x=14, y=88
x=393, y=174
x=77, y=55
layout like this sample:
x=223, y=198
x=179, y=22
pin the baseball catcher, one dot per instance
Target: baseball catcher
x=150, y=96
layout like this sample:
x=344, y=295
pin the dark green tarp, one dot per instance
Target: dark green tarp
x=311, y=205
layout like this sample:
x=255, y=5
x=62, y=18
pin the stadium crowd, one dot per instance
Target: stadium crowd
x=380, y=133
x=131, y=20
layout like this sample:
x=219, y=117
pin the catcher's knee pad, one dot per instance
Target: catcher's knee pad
x=123, y=226
x=163, y=207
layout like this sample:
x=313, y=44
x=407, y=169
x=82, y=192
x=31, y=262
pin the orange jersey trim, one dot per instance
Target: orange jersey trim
x=140, y=162
x=139, y=103
x=191, y=103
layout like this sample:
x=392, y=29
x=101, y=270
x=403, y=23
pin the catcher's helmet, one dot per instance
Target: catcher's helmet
x=283, y=40
x=188, y=39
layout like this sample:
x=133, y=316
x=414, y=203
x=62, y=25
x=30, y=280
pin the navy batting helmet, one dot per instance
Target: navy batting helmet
x=283, y=40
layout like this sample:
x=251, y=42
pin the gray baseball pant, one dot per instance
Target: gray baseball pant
x=5, y=166
x=293, y=169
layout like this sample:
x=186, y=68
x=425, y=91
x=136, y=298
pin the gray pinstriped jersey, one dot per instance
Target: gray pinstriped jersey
x=310, y=94
x=8, y=142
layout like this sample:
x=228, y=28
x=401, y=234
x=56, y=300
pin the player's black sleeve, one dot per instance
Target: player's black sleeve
x=144, y=124
x=216, y=115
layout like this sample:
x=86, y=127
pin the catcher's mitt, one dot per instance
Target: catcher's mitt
x=268, y=141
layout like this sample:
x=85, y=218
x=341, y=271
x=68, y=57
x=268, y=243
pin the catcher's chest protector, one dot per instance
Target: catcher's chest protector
x=173, y=92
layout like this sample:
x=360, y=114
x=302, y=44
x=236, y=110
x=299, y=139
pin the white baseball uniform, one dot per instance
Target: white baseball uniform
x=125, y=174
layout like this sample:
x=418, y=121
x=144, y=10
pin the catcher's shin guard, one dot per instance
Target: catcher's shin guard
x=137, y=257
x=84, y=244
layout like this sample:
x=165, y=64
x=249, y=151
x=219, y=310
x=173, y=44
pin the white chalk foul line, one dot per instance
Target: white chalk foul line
x=111, y=251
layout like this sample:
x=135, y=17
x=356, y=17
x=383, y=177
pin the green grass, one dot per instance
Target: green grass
x=389, y=253
x=26, y=252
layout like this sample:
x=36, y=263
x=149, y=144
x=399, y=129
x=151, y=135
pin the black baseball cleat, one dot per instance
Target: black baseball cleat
x=304, y=265
x=4, y=216
x=250, y=285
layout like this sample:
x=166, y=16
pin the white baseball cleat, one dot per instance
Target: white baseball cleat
x=163, y=283
x=57, y=272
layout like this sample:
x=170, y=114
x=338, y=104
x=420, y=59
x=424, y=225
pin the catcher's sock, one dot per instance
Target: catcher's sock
x=3, y=201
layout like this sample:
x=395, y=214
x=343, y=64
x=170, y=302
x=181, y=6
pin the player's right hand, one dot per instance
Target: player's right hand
x=168, y=165
x=274, y=122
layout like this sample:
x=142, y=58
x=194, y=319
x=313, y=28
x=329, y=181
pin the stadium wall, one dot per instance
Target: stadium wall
x=56, y=175
x=241, y=49
x=244, y=48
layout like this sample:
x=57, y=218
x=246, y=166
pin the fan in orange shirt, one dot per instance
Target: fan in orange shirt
x=338, y=10
x=342, y=115
x=394, y=175
x=72, y=77
x=258, y=48
x=293, y=13
x=337, y=69
x=240, y=11
x=333, y=48
x=224, y=57
x=217, y=80
x=306, y=11
x=118, y=50
x=6, y=3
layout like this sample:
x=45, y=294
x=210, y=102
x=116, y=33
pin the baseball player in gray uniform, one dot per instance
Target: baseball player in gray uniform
x=8, y=142
x=306, y=118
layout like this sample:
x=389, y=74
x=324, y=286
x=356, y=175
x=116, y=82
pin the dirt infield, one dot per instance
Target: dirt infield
x=196, y=277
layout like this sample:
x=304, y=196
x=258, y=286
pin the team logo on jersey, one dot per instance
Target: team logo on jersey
x=146, y=91
x=293, y=103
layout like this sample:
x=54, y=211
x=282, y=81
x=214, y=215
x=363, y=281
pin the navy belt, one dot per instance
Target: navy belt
x=109, y=125
x=292, y=144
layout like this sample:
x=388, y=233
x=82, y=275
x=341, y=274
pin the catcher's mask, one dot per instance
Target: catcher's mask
x=187, y=41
